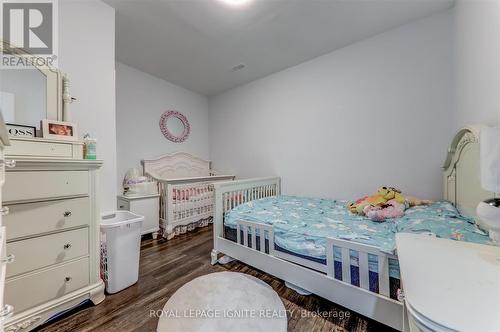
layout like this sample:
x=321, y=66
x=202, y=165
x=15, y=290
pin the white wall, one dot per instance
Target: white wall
x=477, y=62
x=87, y=55
x=374, y=113
x=140, y=100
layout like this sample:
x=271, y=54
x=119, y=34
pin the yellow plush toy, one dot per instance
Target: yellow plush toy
x=391, y=193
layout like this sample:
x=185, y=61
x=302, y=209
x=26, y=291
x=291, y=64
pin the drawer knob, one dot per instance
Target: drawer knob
x=6, y=311
x=10, y=163
x=4, y=211
x=8, y=259
x=67, y=214
x=67, y=279
x=67, y=246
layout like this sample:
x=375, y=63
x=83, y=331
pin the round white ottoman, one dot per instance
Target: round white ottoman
x=224, y=301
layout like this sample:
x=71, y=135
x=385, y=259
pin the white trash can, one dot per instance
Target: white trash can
x=120, y=249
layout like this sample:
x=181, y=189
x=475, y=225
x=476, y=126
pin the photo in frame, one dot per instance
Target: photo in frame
x=59, y=130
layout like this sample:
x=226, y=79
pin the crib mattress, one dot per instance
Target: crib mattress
x=302, y=224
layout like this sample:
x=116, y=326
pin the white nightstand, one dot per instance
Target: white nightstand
x=147, y=206
x=449, y=285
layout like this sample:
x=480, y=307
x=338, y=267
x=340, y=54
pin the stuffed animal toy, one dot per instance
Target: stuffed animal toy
x=383, y=195
x=387, y=203
x=391, y=193
x=391, y=209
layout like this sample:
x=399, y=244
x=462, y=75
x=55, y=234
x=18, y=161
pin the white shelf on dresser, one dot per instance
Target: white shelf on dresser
x=52, y=229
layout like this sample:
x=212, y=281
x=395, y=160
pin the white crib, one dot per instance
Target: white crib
x=185, y=184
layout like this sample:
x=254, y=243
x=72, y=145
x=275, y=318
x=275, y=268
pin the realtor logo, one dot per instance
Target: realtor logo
x=30, y=25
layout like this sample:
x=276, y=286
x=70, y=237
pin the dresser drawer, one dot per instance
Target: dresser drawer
x=34, y=218
x=46, y=250
x=36, y=288
x=23, y=148
x=28, y=186
x=3, y=267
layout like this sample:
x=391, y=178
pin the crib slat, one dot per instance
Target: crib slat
x=346, y=265
x=238, y=236
x=224, y=202
x=254, y=238
x=262, y=240
x=330, y=260
x=271, y=242
x=383, y=275
x=245, y=236
x=363, y=270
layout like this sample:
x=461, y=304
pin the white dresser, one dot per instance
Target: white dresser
x=52, y=229
x=5, y=309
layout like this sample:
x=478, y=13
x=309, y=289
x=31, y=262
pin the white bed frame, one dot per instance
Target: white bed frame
x=182, y=175
x=461, y=186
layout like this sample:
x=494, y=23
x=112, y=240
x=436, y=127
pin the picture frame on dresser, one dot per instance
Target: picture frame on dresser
x=59, y=130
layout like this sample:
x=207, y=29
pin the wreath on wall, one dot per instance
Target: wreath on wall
x=168, y=133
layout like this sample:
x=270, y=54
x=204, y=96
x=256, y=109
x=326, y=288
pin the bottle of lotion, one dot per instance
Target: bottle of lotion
x=89, y=147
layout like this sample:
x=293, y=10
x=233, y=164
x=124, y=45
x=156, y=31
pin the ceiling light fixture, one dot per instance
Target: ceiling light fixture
x=235, y=3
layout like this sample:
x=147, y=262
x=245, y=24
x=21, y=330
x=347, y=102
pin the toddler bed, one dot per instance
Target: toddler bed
x=185, y=184
x=301, y=227
x=317, y=245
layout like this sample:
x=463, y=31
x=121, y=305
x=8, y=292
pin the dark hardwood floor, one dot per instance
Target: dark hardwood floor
x=167, y=265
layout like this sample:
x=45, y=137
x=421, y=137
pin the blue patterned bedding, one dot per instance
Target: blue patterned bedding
x=301, y=226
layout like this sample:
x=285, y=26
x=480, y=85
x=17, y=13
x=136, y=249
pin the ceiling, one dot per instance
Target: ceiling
x=196, y=43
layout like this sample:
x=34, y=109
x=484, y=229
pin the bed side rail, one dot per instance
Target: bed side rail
x=229, y=194
x=363, y=251
x=247, y=233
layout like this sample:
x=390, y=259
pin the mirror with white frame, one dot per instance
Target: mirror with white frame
x=28, y=95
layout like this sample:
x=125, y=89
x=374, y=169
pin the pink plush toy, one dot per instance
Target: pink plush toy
x=391, y=209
